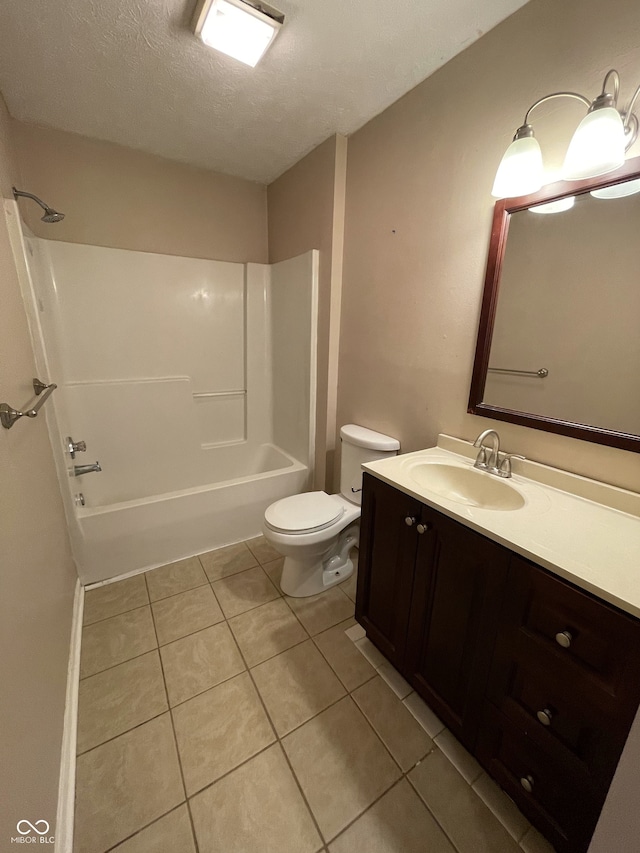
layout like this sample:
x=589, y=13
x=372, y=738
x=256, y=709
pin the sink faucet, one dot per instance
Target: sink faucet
x=490, y=462
x=79, y=470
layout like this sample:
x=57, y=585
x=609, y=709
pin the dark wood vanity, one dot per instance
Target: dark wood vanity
x=538, y=679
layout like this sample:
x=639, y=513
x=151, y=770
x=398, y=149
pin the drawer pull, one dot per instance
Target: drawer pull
x=563, y=638
x=409, y=521
x=422, y=528
x=527, y=783
x=544, y=717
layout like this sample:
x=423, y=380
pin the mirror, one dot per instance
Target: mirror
x=559, y=339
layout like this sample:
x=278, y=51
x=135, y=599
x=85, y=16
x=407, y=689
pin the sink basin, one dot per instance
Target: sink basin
x=466, y=485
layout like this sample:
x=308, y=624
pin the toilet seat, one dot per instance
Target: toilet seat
x=303, y=513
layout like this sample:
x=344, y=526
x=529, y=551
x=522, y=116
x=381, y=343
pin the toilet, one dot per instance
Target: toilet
x=315, y=531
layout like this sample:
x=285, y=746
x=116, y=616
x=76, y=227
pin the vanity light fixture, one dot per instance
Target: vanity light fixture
x=598, y=146
x=618, y=190
x=241, y=29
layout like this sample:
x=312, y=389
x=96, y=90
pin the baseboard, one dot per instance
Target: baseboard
x=67, y=783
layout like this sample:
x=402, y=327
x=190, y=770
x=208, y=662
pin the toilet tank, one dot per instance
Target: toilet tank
x=359, y=445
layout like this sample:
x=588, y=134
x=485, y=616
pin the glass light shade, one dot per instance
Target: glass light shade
x=597, y=146
x=618, y=190
x=238, y=30
x=558, y=206
x=520, y=171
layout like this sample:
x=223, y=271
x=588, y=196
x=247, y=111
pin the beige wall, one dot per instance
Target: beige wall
x=306, y=211
x=126, y=199
x=37, y=575
x=418, y=218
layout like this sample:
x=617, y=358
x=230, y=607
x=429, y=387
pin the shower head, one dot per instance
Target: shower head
x=50, y=215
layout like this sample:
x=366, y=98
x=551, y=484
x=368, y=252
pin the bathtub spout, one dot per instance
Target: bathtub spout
x=79, y=470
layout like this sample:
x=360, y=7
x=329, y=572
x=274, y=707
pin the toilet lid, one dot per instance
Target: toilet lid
x=301, y=513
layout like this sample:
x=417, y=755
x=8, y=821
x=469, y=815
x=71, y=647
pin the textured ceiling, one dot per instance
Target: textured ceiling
x=130, y=71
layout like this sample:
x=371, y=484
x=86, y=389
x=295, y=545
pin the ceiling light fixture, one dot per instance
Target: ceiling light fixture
x=598, y=146
x=238, y=28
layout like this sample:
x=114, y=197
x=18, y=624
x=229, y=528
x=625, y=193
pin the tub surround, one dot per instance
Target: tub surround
x=582, y=530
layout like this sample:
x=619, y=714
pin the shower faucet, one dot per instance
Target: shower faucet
x=79, y=470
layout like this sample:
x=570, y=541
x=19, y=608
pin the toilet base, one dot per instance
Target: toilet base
x=301, y=578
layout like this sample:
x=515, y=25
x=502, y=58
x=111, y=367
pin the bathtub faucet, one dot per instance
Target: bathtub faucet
x=78, y=470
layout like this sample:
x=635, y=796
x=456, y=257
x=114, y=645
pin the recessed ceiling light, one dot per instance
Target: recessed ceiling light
x=238, y=28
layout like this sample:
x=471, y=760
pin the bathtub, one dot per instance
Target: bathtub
x=124, y=537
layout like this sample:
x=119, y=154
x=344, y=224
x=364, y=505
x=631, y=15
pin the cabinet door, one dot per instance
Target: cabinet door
x=385, y=566
x=457, y=594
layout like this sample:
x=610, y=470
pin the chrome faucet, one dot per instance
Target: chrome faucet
x=490, y=462
x=79, y=470
x=489, y=459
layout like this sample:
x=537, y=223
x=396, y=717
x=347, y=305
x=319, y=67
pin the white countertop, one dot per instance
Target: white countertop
x=581, y=530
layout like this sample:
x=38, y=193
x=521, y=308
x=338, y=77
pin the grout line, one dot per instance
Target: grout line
x=173, y=729
x=114, y=665
x=146, y=826
x=279, y=742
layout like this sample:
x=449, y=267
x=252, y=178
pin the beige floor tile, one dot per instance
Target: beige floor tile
x=227, y=561
x=274, y=570
x=114, y=598
x=116, y=640
x=397, y=823
x=502, y=807
x=263, y=551
x=458, y=809
x=171, y=834
x=257, y=807
x=186, y=613
x=371, y=652
x=266, y=631
x=218, y=730
x=200, y=661
x=175, y=578
x=394, y=680
x=244, y=591
x=533, y=842
x=116, y=700
x=463, y=761
x=340, y=764
x=424, y=715
x=349, y=665
x=356, y=632
x=403, y=736
x=296, y=685
x=349, y=587
x=319, y=612
x=125, y=784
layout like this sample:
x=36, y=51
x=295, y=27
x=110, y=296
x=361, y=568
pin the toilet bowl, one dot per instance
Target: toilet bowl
x=315, y=531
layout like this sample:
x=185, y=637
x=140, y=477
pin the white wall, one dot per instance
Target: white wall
x=294, y=307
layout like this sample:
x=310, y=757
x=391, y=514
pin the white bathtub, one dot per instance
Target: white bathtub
x=128, y=536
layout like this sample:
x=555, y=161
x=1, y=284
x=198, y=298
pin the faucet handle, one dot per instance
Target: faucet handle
x=481, y=459
x=504, y=469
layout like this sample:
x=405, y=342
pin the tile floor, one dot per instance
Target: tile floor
x=218, y=716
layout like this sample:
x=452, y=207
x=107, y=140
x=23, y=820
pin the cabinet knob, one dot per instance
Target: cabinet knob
x=409, y=521
x=545, y=717
x=527, y=783
x=422, y=528
x=563, y=638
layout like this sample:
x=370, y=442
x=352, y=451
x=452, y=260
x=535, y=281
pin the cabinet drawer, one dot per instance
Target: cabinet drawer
x=553, y=705
x=558, y=801
x=582, y=631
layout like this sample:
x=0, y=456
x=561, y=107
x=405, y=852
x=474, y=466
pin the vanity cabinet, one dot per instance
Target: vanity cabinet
x=429, y=598
x=539, y=680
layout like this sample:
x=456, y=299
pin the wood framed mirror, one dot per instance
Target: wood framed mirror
x=558, y=344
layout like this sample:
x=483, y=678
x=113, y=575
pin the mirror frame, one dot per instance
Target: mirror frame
x=497, y=247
